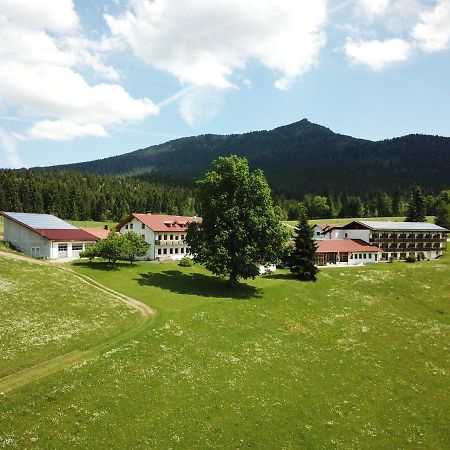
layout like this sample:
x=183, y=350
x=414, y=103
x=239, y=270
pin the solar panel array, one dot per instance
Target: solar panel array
x=41, y=221
x=407, y=226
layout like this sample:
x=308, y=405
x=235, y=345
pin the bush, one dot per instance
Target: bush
x=411, y=259
x=421, y=256
x=186, y=262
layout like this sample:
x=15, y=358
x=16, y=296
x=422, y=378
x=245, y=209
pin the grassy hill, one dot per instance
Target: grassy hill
x=46, y=312
x=299, y=158
x=359, y=359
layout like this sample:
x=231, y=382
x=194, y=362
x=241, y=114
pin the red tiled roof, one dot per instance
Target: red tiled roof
x=161, y=223
x=67, y=235
x=99, y=233
x=345, y=246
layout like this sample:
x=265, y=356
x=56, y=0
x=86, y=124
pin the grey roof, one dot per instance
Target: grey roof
x=40, y=221
x=402, y=226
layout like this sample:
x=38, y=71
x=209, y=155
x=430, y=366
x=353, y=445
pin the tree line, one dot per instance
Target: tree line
x=83, y=196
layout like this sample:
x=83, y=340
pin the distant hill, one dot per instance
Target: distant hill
x=299, y=158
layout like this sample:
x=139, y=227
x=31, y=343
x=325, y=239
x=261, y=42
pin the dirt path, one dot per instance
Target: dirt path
x=58, y=363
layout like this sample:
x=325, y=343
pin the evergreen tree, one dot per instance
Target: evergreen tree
x=303, y=259
x=416, y=205
x=240, y=230
x=443, y=214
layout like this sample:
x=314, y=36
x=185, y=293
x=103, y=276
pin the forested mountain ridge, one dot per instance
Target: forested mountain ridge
x=299, y=158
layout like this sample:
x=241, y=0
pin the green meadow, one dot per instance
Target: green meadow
x=359, y=359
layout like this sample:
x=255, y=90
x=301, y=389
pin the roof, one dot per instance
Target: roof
x=67, y=235
x=402, y=226
x=39, y=221
x=99, y=233
x=326, y=225
x=160, y=222
x=345, y=245
x=49, y=226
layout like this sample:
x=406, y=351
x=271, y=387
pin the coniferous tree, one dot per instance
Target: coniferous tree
x=416, y=205
x=443, y=214
x=303, y=259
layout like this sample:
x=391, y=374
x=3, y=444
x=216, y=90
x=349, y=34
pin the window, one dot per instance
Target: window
x=177, y=237
x=131, y=226
x=182, y=237
x=77, y=247
x=346, y=235
x=62, y=247
x=376, y=257
x=165, y=251
x=159, y=251
x=182, y=250
x=360, y=256
x=171, y=251
x=143, y=226
x=159, y=237
x=365, y=255
x=126, y=227
x=176, y=250
x=165, y=237
x=370, y=255
x=171, y=237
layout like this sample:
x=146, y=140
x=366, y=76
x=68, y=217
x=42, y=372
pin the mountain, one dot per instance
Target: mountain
x=299, y=158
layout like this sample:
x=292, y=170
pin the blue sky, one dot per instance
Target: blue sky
x=83, y=80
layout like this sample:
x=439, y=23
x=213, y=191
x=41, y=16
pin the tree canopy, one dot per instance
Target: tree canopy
x=240, y=230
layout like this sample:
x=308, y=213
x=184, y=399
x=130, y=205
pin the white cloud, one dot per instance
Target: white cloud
x=58, y=16
x=377, y=54
x=432, y=33
x=63, y=130
x=39, y=77
x=370, y=8
x=203, y=42
x=10, y=151
x=199, y=105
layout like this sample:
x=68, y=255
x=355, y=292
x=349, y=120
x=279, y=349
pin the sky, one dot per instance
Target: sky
x=83, y=80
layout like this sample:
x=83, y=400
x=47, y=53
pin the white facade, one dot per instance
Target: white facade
x=318, y=233
x=164, y=245
x=37, y=246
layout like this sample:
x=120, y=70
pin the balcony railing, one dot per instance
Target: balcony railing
x=167, y=242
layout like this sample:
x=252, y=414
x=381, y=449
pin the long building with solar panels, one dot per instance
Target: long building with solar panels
x=45, y=236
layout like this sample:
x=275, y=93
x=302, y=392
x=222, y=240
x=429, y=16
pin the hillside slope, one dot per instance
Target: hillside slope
x=299, y=158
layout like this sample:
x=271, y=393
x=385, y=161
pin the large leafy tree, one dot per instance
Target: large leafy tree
x=133, y=246
x=416, y=205
x=303, y=258
x=240, y=230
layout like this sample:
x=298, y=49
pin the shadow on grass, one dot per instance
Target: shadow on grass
x=103, y=265
x=280, y=276
x=197, y=284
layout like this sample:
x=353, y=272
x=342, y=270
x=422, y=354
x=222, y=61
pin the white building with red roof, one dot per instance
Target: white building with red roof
x=166, y=234
x=45, y=235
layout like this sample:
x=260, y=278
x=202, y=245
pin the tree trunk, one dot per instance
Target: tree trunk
x=233, y=280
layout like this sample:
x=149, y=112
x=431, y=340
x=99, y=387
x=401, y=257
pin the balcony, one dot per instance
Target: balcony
x=167, y=242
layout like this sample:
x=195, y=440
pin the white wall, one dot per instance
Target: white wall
x=149, y=236
x=369, y=259
x=25, y=239
x=339, y=233
x=318, y=233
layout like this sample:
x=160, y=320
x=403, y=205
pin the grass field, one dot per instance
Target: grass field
x=46, y=312
x=359, y=359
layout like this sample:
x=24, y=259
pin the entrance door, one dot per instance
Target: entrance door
x=62, y=250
